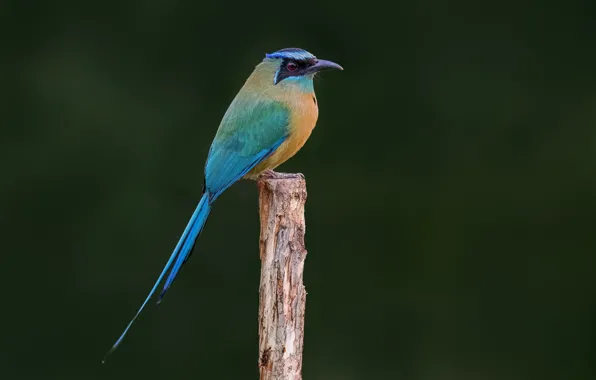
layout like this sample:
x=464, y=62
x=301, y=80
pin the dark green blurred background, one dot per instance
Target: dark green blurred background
x=451, y=209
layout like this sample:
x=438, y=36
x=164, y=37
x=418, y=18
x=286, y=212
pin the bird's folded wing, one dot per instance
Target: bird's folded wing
x=250, y=131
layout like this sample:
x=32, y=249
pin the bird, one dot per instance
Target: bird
x=267, y=123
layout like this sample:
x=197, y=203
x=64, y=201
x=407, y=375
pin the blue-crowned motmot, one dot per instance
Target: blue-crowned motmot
x=267, y=123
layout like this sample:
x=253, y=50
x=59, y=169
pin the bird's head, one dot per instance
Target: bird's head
x=295, y=67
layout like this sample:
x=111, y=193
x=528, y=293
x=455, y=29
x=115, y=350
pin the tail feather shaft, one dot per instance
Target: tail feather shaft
x=187, y=247
x=182, y=250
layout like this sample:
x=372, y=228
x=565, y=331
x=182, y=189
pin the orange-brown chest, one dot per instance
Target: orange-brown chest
x=303, y=118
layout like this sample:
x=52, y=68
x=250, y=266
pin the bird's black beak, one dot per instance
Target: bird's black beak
x=322, y=64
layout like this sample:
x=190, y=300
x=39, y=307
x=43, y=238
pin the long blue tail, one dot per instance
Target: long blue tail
x=178, y=258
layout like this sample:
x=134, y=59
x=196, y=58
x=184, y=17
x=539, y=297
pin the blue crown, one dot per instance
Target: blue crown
x=291, y=53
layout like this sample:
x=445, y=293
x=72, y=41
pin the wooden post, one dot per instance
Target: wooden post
x=282, y=296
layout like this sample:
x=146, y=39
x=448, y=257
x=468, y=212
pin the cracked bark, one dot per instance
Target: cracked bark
x=282, y=295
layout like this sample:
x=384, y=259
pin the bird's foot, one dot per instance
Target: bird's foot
x=270, y=174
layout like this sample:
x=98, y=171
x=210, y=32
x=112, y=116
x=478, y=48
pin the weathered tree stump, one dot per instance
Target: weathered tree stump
x=282, y=296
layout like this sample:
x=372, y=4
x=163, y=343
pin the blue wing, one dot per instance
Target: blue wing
x=250, y=131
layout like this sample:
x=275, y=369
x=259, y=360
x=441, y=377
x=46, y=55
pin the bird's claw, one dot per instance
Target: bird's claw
x=270, y=174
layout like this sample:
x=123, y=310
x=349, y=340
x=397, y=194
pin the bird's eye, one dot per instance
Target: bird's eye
x=291, y=66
